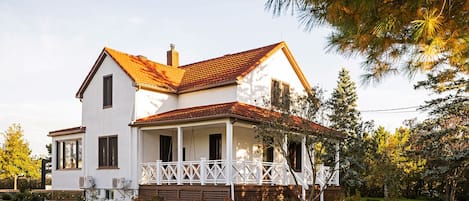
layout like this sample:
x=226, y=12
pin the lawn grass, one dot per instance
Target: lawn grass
x=382, y=199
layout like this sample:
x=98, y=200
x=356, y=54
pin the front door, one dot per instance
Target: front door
x=215, y=147
x=166, y=148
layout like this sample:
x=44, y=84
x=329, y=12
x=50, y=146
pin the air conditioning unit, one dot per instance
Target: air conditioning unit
x=120, y=183
x=86, y=182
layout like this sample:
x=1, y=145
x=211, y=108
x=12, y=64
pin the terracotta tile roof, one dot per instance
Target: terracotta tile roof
x=224, y=69
x=67, y=131
x=147, y=73
x=235, y=110
x=196, y=76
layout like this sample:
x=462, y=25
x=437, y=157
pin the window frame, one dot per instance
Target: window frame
x=107, y=91
x=105, y=163
x=60, y=163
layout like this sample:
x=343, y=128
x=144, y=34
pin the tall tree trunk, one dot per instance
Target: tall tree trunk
x=15, y=182
x=386, y=193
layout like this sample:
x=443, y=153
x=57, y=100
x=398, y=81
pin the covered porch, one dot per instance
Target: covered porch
x=183, y=149
x=219, y=152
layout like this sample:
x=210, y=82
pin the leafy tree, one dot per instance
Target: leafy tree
x=345, y=118
x=296, y=124
x=393, y=36
x=443, y=141
x=388, y=162
x=15, y=158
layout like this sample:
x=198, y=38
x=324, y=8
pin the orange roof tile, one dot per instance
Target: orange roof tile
x=147, y=73
x=235, y=110
x=225, y=69
x=196, y=76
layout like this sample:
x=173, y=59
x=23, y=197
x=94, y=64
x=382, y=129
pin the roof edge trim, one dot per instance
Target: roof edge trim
x=91, y=74
x=297, y=69
x=67, y=131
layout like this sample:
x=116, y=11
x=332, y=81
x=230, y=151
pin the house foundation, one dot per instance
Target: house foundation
x=222, y=192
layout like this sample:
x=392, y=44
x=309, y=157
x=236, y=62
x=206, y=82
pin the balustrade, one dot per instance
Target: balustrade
x=243, y=172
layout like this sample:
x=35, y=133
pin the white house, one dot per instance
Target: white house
x=153, y=128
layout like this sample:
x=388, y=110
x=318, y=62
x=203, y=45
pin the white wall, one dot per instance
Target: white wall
x=149, y=103
x=61, y=178
x=151, y=144
x=208, y=97
x=254, y=88
x=109, y=121
x=196, y=141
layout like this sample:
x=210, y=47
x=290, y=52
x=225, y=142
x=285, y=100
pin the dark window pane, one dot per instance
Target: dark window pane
x=215, y=147
x=166, y=153
x=107, y=91
x=275, y=92
x=298, y=157
x=285, y=96
x=60, y=158
x=113, y=151
x=102, y=155
x=294, y=155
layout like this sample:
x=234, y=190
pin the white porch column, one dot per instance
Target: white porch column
x=303, y=167
x=179, y=167
x=337, y=166
x=229, y=151
x=285, y=163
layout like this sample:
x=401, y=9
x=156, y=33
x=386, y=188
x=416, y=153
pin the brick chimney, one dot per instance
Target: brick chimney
x=172, y=56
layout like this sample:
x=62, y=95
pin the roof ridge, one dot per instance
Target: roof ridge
x=236, y=53
x=192, y=108
x=137, y=56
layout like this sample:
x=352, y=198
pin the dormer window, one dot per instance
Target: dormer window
x=280, y=94
x=107, y=91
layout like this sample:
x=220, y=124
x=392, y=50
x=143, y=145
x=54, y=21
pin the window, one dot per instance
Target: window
x=107, y=91
x=280, y=94
x=107, y=152
x=69, y=154
x=294, y=155
x=109, y=194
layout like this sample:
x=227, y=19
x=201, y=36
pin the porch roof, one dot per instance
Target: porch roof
x=67, y=131
x=235, y=110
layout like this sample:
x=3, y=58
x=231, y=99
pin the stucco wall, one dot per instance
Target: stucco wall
x=101, y=121
x=208, y=97
x=254, y=88
x=149, y=103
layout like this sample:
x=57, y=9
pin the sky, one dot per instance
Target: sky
x=48, y=47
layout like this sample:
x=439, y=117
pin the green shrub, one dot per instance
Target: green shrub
x=6, y=196
x=355, y=197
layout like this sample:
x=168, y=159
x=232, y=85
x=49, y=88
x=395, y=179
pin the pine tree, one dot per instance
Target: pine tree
x=344, y=117
x=15, y=158
x=394, y=37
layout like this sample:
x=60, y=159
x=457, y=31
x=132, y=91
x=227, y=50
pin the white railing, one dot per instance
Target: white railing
x=324, y=175
x=252, y=172
x=242, y=172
